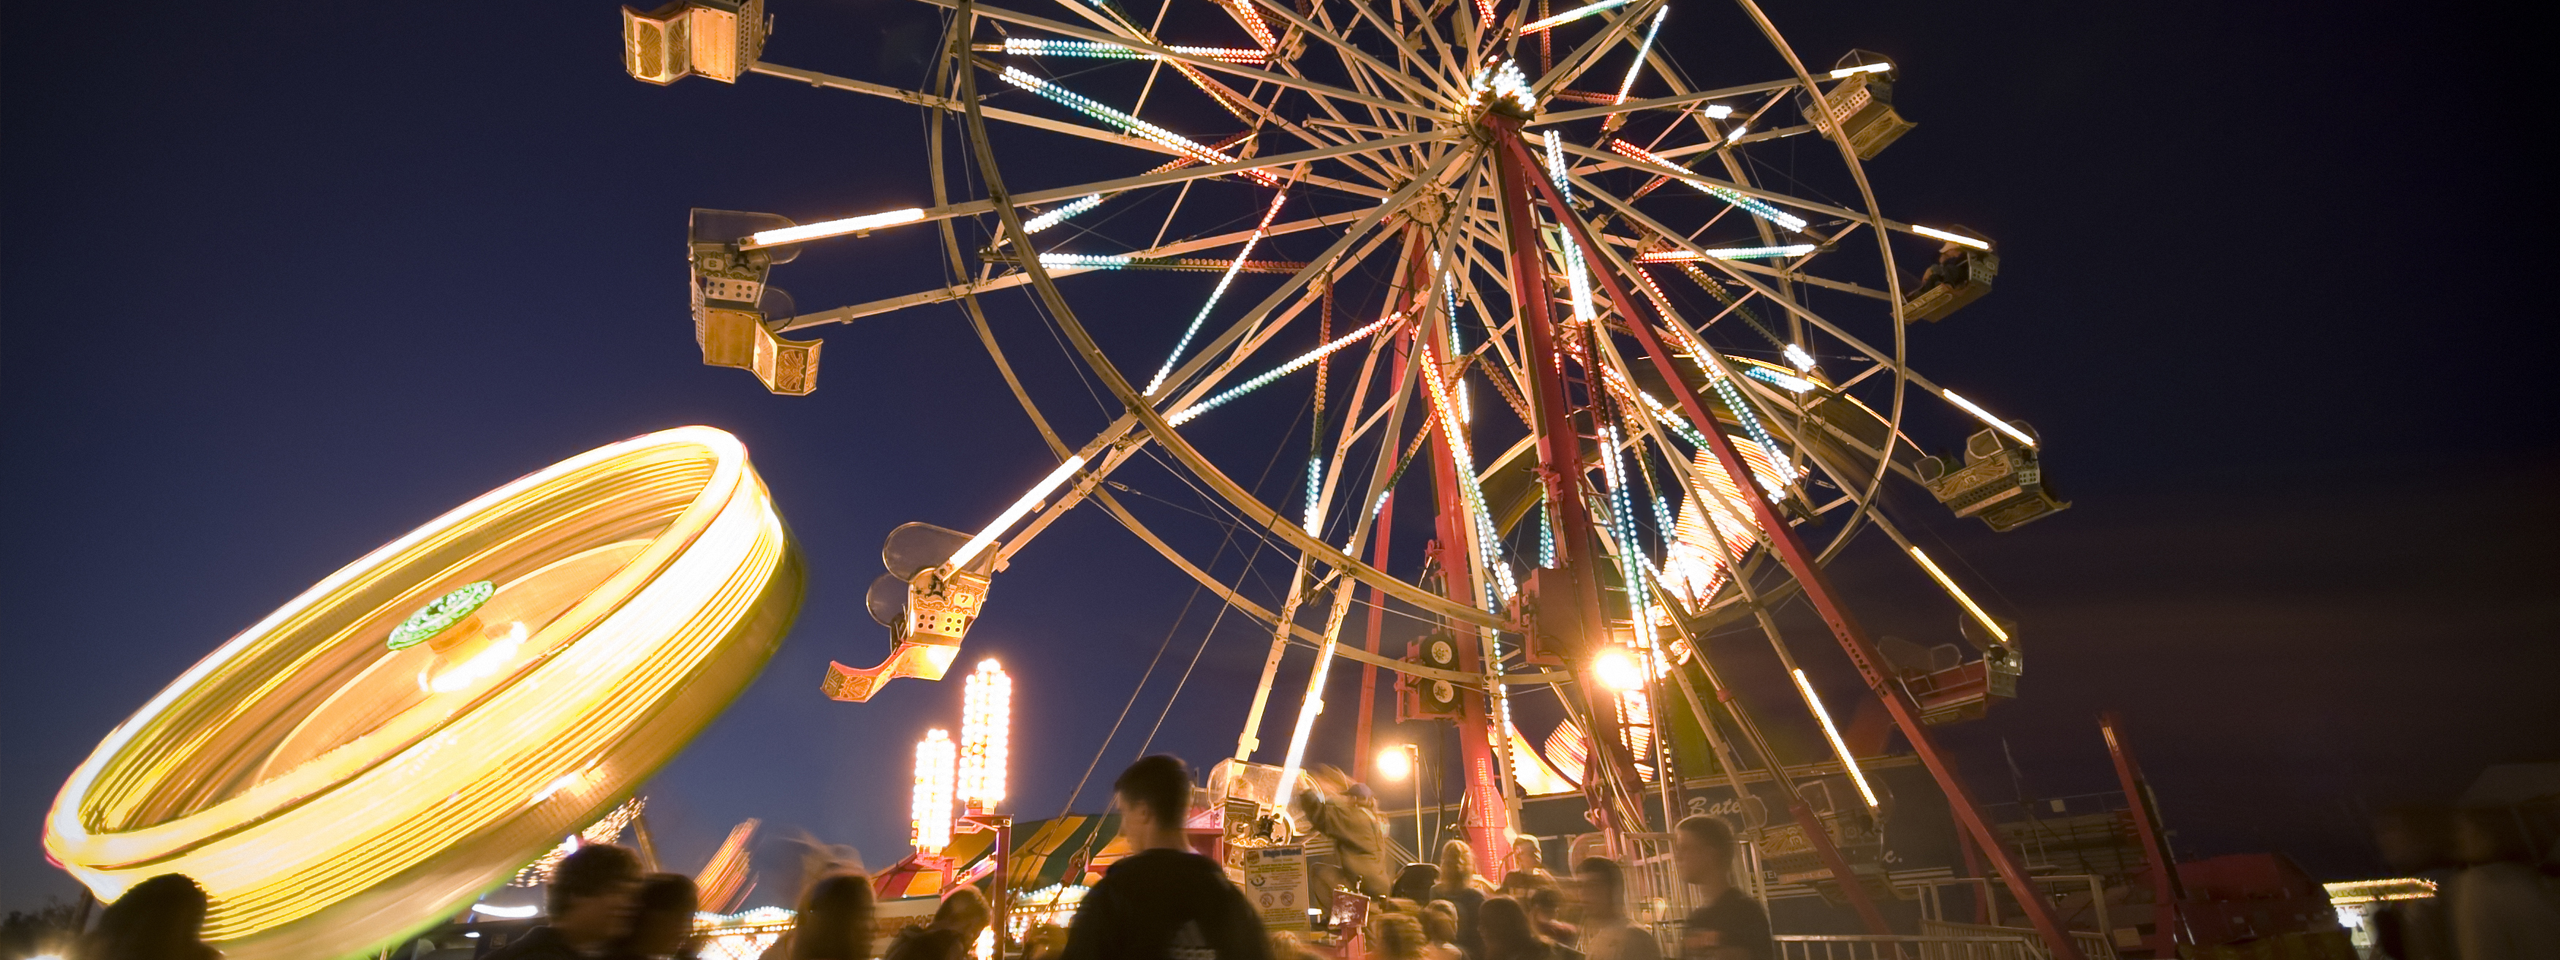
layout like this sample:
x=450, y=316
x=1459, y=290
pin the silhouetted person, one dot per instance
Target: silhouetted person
x=2503, y=909
x=952, y=934
x=158, y=919
x=1606, y=932
x=1394, y=936
x=1163, y=900
x=661, y=920
x=1348, y=813
x=1544, y=904
x=834, y=922
x=1415, y=883
x=1951, y=270
x=1440, y=923
x=1464, y=890
x=2416, y=841
x=589, y=902
x=1509, y=934
x=1525, y=858
x=1731, y=926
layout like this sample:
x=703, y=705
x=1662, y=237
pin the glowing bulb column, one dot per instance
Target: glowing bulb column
x=334, y=788
x=986, y=733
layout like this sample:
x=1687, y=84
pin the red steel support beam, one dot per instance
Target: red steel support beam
x=1610, y=778
x=1485, y=818
x=1817, y=588
x=2166, y=891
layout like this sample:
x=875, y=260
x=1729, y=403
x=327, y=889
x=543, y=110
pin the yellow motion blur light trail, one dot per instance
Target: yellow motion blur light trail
x=333, y=793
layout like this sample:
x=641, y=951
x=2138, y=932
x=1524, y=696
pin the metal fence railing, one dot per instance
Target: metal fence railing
x=1897, y=947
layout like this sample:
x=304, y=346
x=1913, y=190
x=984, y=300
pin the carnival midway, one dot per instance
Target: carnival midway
x=1527, y=273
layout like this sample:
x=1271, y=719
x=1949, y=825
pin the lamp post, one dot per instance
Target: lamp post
x=1404, y=761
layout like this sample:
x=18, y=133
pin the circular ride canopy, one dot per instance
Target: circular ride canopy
x=412, y=730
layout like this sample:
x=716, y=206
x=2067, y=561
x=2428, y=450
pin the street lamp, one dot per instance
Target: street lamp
x=1618, y=669
x=1400, y=762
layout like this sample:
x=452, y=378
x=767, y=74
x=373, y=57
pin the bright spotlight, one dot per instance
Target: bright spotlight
x=1394, y=763
x=1618, y=670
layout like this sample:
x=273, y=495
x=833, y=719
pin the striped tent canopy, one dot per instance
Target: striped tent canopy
x=1071, y=850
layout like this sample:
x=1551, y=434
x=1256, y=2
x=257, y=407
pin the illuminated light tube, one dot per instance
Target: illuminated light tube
x=1796, y=355
x=1738, y=130
x=1220, y=291
x=1193, y=411
x=330, y=806
x=1838, y=745
x=1717, y=111
x=986, y=733
x=1488, y=541
x=1570, y=16
x=1084, y=261
x=505, y=913
x=1060, y=215
x=1958, y=592
x=1749, y=204
x=1985, y=416
x=1094, y=108
x=929, y=826
x=1032, y=46
x=1577, y=280
x=1254, y=25
x=832, y=228
x=1955, y=238
x=1555, y=172
x=1314, y=516
x=1004, y=521
x=1644, y=50
x=1727, y=253
x=1846, y=72
x=1779, y=380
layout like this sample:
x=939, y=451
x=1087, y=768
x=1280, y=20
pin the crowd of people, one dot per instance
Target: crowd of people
x=2494, y=900
x=1162, y=900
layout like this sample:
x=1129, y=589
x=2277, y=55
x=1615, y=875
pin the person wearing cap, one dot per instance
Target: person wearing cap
x=1348, y=813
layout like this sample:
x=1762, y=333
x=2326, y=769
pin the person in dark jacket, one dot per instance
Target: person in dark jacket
x=661, y=920
x=835, y=921
x=1415, y=882
x=952, y=934
x=1348, y=813
x=158, y=919
x=589, y=902
x=1731, y=926
x=1163, y=901
x=1464, y=890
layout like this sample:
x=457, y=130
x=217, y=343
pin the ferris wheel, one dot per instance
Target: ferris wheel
x=1635, y=311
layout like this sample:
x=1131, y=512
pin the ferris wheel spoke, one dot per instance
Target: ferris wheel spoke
x=1404, y=47
x=1109, y=18
x=1006, y=281
x=1171, y=56
x=1677, y=101
x=1621, y=25
x=1797, y=274
x=1421, y=99
x=1446, y=68
x=1196, y=398
x=1807, y=315
x=832, y=82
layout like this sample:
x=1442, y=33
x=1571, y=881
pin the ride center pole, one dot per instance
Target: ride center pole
x=1610, y=774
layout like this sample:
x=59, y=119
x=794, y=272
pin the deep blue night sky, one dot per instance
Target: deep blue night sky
x=284, y=280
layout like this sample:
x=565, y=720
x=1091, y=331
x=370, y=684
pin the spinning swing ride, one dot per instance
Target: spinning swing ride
x=1657, y=383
